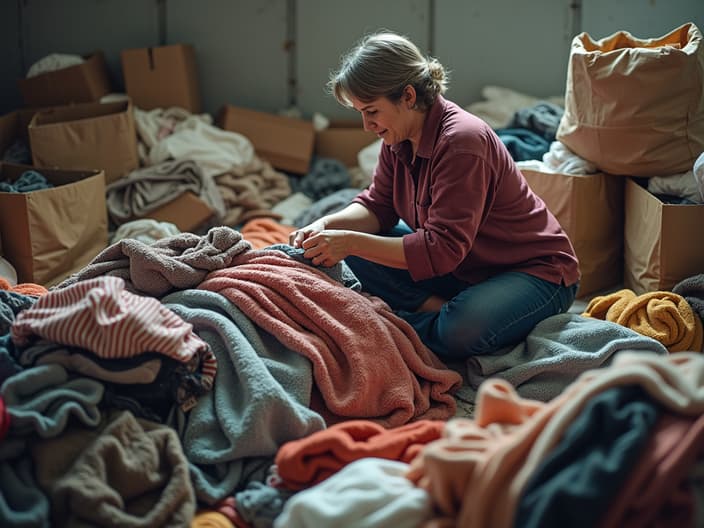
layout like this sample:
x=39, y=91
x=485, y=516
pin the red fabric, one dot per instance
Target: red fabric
x=310, y=460
x=4, y=419
x=368, y=363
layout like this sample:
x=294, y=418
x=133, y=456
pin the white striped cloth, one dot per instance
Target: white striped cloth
x=99, y=315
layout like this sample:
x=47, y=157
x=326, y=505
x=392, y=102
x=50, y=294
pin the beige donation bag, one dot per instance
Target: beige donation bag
x=633, y=106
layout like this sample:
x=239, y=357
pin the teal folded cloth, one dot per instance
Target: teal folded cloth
x=28, y=181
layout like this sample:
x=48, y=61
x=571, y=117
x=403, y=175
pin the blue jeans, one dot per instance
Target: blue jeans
x=478, y=319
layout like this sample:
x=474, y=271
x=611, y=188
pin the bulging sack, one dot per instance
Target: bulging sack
x=636, y=106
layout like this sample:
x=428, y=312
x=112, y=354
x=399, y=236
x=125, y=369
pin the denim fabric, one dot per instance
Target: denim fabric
x=478, y=319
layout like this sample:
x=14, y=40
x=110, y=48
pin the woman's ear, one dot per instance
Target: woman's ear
x=409, y=96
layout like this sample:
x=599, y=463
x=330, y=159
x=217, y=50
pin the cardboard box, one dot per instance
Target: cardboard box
x=285, y=142
x=663, y=243
x=162, y=77
x=86, y=136
x=342, y=141
x=187, y=212
x=590, y=210
x=13, y=127
x=81, y=83
x=49, y=233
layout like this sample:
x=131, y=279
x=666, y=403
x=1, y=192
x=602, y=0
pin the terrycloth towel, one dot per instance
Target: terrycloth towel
x=131, y=475
x=144, y=190
x=178, y=262
x=662, y=315
x=367, y=361
x=308, y=461
x=555, y=353
x=259, y=401
x=692, y=289
x=369, y=493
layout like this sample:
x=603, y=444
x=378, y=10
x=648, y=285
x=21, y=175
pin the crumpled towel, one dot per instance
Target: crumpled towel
x=178, y=262
x=664, y=316
x=134, y=474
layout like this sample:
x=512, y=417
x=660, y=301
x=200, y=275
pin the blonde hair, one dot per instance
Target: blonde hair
x=382, y=65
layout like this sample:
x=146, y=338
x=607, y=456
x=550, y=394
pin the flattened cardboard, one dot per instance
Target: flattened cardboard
x=48, y=233
x=590, y=210
x=86, y=136
x=187, y=212
x=162, y=77
x=342, y=141
x=285, y=142
x=81, y=83
x=663, y=243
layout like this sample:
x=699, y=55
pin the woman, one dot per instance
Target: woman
x=448, y=233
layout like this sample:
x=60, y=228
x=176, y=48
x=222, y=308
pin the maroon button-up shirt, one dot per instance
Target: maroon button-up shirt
x=472, y=211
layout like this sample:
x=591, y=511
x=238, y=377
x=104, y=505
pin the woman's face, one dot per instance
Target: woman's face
x=392, y=122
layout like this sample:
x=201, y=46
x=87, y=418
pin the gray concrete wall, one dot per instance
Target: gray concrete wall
x=273, y=54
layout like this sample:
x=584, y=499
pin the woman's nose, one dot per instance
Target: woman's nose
x=367, y=124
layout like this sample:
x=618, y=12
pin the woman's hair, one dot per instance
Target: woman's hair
x=382, y=65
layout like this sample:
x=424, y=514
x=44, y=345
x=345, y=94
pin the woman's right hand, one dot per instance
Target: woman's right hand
x=297, y=237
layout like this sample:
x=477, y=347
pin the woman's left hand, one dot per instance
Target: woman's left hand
x=328, y=247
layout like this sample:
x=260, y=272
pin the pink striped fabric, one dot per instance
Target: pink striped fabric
x=99, y=315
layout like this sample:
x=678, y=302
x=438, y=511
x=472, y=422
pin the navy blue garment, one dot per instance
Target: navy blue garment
x=575, y=485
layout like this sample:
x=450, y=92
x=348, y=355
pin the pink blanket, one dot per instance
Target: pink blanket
x=367, y=362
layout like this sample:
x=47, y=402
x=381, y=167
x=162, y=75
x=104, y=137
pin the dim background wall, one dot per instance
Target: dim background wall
x=275, y=54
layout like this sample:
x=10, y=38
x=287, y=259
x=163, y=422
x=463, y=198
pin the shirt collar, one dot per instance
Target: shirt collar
x=431, y=127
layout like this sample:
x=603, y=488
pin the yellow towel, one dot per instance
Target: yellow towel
x=662, y=315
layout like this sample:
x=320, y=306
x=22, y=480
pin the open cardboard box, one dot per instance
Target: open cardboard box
x=590, y=210
x=80, y=83
x=343, y=140
x=48, y=233
x=285, y=142
x=663, y=243
x=162, y=77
